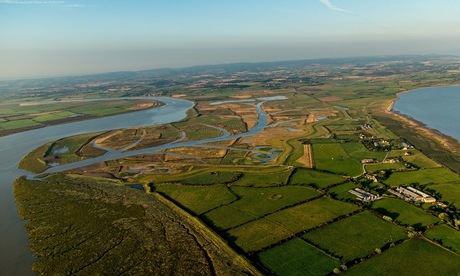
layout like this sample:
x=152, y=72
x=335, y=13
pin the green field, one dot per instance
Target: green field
x=355, y=237
x=317, y=179
x=421, y=177
x=448, y=192
x=296, y=257
x=374, y=168
x=404, y=213
x=445, y=235
x=263, y=232
x=256, y=202
x=417, y=158
x=263, y=178
x=414, y=257
x=341, y=191
x=197, y=199
x=331, y=157
x=32, y=162
x=19, y=124
x=209, y=178
x=358, y=151
x=16, y=116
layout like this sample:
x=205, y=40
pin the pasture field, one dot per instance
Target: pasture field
x=296, y=257
x=199, y=132
x=32, y=162
x=256, y=202
x=226, y=217
x=356, y=236
x=446, y=192
x=68, y=148
x=54, y=116
x=296, y=151
x=341, y=191
x=445, y=236
x=358, y=151
x=383, y=132
x=197, y=199
x=314, y=178
x=257, y=234
x=18, y=116
x=422, y=177
x=414, y=257
x=19, y=124
x=277, y=226
x=328, y=151
x=210, y=178
x=417, y=158
x=404, y=213
x=331, y=157
x=264, y=178
x=62, y=151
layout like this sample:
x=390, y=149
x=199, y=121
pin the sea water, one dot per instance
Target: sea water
x=436, y=107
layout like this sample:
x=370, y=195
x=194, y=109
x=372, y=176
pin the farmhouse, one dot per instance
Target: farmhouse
x=371, y=177
x=392, y=160
x=367, y=161
x=426, y=197
x=412, y=194
x=363, y=195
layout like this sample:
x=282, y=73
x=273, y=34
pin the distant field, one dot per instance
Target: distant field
x=404, y=213
x=417, y=158
x=31, y=115
x=198, y=199
x=421, y=177
x=256, y=202
x=414, y=257
x=263, y=232
x=331, y=157
x=209, y=178
x=356, y=236
x=341, y=191
x=263, y=178
x=296, y=257
x=358, y=151
x=315, y=178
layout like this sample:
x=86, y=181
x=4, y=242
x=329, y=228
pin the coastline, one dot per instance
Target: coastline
x=445, y=140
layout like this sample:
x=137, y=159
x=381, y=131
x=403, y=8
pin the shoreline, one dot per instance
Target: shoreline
x=445, y=140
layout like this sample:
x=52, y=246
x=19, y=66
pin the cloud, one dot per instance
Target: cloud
x=331, y=6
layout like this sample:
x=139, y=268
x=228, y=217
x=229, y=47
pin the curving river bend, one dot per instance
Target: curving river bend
x=15, y=256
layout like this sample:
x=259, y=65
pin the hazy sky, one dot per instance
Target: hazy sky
x=49, y=38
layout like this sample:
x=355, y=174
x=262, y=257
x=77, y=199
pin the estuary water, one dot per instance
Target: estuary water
x=436, y=107
x=15, y=256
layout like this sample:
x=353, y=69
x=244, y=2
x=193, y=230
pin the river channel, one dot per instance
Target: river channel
x=15, y=256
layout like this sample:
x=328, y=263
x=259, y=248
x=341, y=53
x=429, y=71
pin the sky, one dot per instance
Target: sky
x=41, y=38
